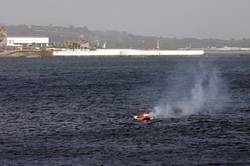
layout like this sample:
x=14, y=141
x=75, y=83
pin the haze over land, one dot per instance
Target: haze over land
x=223, y=19
x=117, y=39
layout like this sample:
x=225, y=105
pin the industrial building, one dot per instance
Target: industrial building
x=27, y=41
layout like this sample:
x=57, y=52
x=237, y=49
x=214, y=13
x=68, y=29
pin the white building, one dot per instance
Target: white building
x=21, y=41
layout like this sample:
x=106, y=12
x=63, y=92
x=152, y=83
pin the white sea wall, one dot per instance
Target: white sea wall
x=126, y=52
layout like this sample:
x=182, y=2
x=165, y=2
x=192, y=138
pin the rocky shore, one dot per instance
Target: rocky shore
x=28, y=54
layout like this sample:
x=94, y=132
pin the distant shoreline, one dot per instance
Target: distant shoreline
x=38, y=54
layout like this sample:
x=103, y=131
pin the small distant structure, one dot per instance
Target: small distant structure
x=104, y=46
x=27, y=41
x=3, y=36
x=158, y=45
x=84, y=45
x=97, y=43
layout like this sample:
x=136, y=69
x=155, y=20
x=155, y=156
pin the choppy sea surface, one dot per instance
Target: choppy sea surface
x=79, y=111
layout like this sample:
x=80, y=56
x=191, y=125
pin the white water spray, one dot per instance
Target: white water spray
x=200, y=91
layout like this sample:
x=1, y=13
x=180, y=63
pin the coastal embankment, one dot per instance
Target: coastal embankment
x=120, y=52
x=126, y=52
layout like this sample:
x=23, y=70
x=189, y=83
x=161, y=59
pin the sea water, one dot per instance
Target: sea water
x=79, y=111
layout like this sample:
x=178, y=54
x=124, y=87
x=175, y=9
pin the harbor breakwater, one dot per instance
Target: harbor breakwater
x=126, y=52
x=55, y=52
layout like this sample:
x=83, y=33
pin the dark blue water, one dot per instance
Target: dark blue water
x=78, y=111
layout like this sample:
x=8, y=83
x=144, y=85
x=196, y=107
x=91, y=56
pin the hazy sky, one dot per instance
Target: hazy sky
x=224, y=19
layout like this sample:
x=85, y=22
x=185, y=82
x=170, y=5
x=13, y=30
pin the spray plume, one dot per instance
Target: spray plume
x=202, y=90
